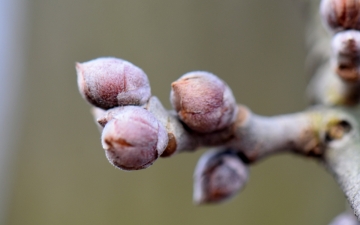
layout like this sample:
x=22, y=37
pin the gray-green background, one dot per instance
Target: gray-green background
x=61, y=175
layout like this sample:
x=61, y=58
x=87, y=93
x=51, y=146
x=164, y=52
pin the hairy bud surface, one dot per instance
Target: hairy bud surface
x=203, y=101
x=133, y=139
x=219, y=175
x=111, y=82
x=340, y=15
x=346, y=50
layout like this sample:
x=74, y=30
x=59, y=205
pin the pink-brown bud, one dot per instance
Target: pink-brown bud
x=133, y=139
x=203, y=101
x=110, y=82
x=219, y=175
x=340, y=14
x=346, y=50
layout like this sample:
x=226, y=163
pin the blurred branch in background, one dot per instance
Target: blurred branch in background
x=12, y=64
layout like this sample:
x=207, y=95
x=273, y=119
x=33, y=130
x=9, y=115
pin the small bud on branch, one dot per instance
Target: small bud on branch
x=336, y=80
x=340, y=14
x=219, y=175
x=203, y=101
x=110, y=82
x=133, y=139
x=346, y=50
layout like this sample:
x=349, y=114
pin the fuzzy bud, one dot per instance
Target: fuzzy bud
x=340, y=15
x=110, y=82
x=346, y=50
x=203, y=101
x=219, y=175
x=133, y=139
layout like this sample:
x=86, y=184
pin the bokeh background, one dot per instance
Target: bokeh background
x=56, y=171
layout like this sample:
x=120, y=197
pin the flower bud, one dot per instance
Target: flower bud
x=346, y=50
x=218, y=176
x=110, y=82
x=340, y=15
x=133, y=139
x=203, y=101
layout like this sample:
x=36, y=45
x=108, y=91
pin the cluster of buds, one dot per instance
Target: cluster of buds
x=339, y=83
x=129, y=131
x=135, y=132
x=343, y=20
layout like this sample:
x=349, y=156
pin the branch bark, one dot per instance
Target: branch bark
x=207, y=115
x=331, y=64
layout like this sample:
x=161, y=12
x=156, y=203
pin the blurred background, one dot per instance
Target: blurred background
x=52, y=167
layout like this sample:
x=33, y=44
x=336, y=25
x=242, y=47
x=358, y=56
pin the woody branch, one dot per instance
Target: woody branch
x=137, y=129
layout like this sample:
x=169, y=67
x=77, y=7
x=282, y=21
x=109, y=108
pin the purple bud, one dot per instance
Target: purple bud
x=110, y=82
x=346, y=50
x=203, y=101
x=340, y=15
x=218, y=176
x=133, y=139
